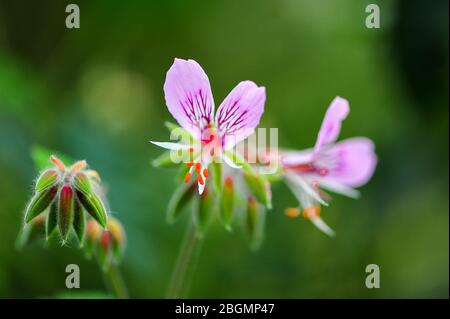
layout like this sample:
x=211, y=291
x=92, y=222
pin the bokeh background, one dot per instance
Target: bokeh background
x=95, y=93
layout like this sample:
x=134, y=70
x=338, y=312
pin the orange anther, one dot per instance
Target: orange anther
x=205, y=173
x=198, y=168
x=292, y=212
x=200, y=180
x=311, y=212
x=190, y=164
x=187, y=178
x=190, y=149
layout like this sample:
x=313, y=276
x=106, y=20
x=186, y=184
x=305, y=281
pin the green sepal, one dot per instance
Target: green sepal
x=179, y=200
x=216, y=169
x=52, y=220
x=227, y=203
x=204, y=209
x=94, y=206
x=79, y=222
x=259, y=188
x=164, y=161
x=47, y=179
x=82, y=183
x=186, y=137
x=255, y=220
x=40, y=202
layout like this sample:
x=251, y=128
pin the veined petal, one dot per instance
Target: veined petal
x=239, y=113
x=331, y=125
x=355, y=162
x=297, y=157
x=339, y=188
x=172, y=146
x=188, y=96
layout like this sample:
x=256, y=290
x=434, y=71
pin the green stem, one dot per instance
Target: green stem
x=185, y=264
x=116, y=283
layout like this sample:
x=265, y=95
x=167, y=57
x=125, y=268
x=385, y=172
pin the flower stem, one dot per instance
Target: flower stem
x=115, y=282
x=185, y=264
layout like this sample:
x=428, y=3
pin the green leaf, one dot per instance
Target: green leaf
x=48, y=178
x=66, y=212
x=40, y=202
x=82, y=183
x=79, y=222
x=41, y=157
x=94, y=206
x=52, y=220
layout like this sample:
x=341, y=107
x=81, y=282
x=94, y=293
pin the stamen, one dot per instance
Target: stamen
x=187, y=178
x=205, y=173
x=200, y=180
x=190, y=150
x=292, y=212
x=311, y=212
x=190, y=164
x=198, y=168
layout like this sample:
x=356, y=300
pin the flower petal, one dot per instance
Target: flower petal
x=239, y=114
x=293, y=158
x=321, y=225
x=172, y=146
x=331, y=125
x=188, y=96
x=355, y=162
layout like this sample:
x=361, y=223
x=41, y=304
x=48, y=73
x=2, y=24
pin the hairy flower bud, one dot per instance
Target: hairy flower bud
x=179, y=200
x=255, y=220
x=40, y=202
x=65, y=215
x=259, y=188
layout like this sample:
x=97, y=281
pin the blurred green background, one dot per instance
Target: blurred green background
x=95, y=93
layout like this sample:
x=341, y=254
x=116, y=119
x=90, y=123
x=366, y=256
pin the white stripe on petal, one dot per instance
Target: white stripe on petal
x=171, y=146
x=339, y=188
x=319, y=223
x=230, y=162
x=299, y=184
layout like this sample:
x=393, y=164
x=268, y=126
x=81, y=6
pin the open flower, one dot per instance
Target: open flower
x=190, y=101
x=337, y=167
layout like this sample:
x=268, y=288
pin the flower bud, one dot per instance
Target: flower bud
x=255, y=220
x=65, y=215
x=118, y=238
x=40, y=202
x=32, y=231
x=104, y=250
x=93, y=231
x=227, y=202
x=82, y=183
x=260, y=188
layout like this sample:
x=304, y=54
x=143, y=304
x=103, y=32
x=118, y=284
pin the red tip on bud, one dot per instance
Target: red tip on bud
x=58, y=163
x=78, y=166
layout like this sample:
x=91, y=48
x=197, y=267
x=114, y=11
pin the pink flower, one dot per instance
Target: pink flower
x=190, y=101
x=338, y=167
